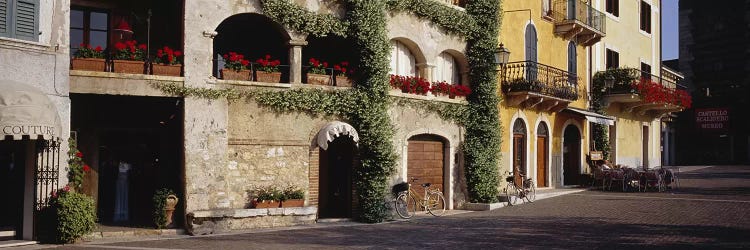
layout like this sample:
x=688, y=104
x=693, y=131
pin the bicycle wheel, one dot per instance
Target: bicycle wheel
x=436, y=203
x=402, y=203
x=531, y=192
x=511, y=194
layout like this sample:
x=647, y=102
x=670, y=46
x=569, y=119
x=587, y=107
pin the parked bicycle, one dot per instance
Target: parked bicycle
x=408, y=201
x=515, y=192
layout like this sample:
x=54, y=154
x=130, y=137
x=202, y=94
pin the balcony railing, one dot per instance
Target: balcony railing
x=647, y=94
x=544, y=80
x=578, y=18
x=666, y=81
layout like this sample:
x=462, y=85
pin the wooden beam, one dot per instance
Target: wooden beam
x=548, y=104
x=533, y=101
x=515, y=100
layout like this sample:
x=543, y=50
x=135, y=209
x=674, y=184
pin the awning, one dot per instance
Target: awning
x=335, y=129
x=593, y=117
x=26, y=111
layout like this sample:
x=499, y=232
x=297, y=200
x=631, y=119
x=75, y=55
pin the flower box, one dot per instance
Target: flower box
x=343, y=81
x=167, y=70
x=90, y=64
x=129, y=67
x=318, y=79
x=267, y=204
x=293, y=203
x=271, y=77
x=242, y=75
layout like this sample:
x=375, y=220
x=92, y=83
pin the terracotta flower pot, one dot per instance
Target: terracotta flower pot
x=242, y=75
x=267, y=204
x=167, y=70
x=90, y=64
x=318, y=79
x=293, y=203
x=169, y=208
x=343, y=81
x=271, y=77
x=129, y=67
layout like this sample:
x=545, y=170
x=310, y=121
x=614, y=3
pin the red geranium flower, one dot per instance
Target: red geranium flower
x=86, y=168
x=79, y=154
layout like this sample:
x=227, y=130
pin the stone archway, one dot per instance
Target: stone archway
x=254, y=36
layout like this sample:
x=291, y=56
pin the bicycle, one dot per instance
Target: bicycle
x=407, y=201
x=514, y=193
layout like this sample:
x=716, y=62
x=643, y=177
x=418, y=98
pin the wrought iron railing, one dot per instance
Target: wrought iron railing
x=47, y=171
x=624, y=87
x=577, y=10
x=535, y=77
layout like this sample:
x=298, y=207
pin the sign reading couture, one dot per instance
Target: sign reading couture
x=27, y=130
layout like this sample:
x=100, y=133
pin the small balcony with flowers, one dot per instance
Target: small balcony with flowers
x=578, y=20
x=533, y=85
x=633, y=91
x=118, y=48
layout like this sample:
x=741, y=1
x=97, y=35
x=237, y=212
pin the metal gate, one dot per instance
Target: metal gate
x=47, y=172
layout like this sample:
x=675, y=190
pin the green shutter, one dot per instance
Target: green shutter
x=26, y=16
x=4, y=18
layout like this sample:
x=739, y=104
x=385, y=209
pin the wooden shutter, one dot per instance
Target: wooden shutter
x=4, y=15
x=26, y=18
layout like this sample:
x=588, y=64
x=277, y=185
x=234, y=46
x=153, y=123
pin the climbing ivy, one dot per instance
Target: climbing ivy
x=452, y=20
x=303, y=20
x=205, y=93
x=482, y=142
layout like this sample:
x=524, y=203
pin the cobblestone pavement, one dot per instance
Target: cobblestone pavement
x=709, y=210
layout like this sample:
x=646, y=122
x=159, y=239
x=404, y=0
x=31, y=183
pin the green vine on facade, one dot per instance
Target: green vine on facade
x=205, y=93
x=302, y=20
x=482, y=142
x=452, y=20
x=453, y=112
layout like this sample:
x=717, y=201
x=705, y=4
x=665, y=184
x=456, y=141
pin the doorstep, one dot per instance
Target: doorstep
x=16, y=243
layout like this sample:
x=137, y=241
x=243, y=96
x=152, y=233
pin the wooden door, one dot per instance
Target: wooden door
x=425, y=162
x=335, y=194
x=519, y=156
x=541, y=161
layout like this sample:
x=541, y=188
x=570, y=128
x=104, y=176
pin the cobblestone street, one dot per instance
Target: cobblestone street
x=709, y=210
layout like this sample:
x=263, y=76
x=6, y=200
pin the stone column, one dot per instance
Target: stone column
x=295, y=60
x=426, y=71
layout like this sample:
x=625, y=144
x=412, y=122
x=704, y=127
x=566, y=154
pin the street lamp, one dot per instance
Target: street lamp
x=501, y=55
x=609, y=82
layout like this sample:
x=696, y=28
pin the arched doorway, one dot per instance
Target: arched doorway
x=542, y=135
x=337, y=142
x=571, y=155
x=426, y=162
x=519, y=150
x=336, y=165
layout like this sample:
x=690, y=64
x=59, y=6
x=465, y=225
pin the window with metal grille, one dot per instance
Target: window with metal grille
x=645, y=17
x=613, y=59
x=613, y=7
x=19, y=19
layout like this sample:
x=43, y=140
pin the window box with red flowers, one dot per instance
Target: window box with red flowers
x=267, y=70
x=652, y=92
x=410, y=84
x=167, y=62
x=87, y=58
x=235, y=67
x=451, y=90
x=341, y=73
x=317, y=73
x=129, y=58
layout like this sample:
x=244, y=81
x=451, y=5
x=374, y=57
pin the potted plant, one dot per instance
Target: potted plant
x=268, y=197
x=341, y=73
x=128, y=57
x=87, y=58
x=459, y=90
x=235, y=67
x=165, y=202
x=316, y=73
x=441, y=88
x=293, y=197
x=267, y=70
x=167, y=62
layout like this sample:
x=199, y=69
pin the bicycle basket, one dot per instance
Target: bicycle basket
x=398, y=188
x=509, y=179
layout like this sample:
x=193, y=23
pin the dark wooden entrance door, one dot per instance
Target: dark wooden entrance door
x=541, y=161
x=12, y=166
x=425, y=162
x=336, y=166
x=571, y=155
x=645, y=147
x=519, y=155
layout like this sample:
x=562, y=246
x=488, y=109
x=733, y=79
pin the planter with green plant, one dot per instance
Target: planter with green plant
x=293, y=197
x=129, y=57
x=69, y=216
x=87, y=58
x=167, y=62
x=268, y=197
x=165, y=200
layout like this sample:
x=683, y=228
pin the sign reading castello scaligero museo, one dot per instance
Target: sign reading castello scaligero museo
x=712, y=118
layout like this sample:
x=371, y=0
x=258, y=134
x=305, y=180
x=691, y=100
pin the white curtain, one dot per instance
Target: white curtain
x=402, y=61
x=447, y=69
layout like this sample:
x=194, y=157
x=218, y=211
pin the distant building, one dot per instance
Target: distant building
x=714, y=49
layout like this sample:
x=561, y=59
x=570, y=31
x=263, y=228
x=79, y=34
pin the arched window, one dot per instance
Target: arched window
x=447, y=69
x=542, y=130
x=402, y=60
x=519, y=127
